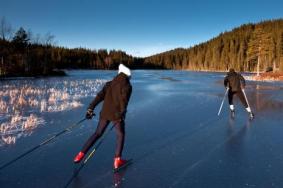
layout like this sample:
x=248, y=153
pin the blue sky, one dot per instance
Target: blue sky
x=138, y=27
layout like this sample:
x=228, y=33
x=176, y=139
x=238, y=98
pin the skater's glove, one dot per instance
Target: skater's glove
x=89, y=114
x=226, y=86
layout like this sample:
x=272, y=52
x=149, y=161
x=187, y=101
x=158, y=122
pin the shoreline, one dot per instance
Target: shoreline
x=218, y=71
x=263, y=77
x=267, y=77
x=55, y=73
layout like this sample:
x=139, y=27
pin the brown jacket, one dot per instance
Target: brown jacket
x=116, y=95
x=234, y=81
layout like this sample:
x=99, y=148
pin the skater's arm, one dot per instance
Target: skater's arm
x=99, y=97
x=243, y=81
x=125, y=97
x=226, y=82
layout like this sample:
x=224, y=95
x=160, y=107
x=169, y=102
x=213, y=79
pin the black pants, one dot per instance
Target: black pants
x=241, y=96
x=101, y=127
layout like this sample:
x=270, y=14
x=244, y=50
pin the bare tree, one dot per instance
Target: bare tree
x=49, y=39
x=5, y=29
x=29, y=35
x=37, y=39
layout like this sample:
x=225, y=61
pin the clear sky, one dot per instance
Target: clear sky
x=138, y=27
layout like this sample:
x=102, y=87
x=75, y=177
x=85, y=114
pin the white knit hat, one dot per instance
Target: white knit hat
x=124, y=69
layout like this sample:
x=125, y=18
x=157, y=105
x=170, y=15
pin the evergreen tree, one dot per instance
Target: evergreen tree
x=21, y=37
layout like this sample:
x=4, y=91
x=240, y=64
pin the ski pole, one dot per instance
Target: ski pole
x=246, y=97
x=41, y=144
x=222, y=101
x=75, y=174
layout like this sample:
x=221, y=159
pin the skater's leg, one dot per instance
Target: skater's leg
x=242, y=99
x=120, y=132
x=102, y=125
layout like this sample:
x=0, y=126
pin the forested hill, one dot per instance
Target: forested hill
x=240, y=48
x=19, y=57
x=24, y=54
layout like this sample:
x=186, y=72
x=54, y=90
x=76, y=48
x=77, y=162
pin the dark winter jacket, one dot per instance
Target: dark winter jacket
x=116, y=95
x=234, y=81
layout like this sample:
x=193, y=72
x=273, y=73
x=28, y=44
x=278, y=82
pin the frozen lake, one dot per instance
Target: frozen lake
x=173, y=133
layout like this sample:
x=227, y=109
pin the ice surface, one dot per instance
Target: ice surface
x=173, y=134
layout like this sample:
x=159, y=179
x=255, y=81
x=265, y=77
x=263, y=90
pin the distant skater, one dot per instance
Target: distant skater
x=235, y=82
x=116, y=95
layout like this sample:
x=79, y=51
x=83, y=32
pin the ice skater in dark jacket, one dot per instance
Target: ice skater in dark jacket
x=235, y=82
x=116, y=95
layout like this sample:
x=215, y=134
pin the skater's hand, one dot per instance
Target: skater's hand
x=89, y=114
x=226, y=86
